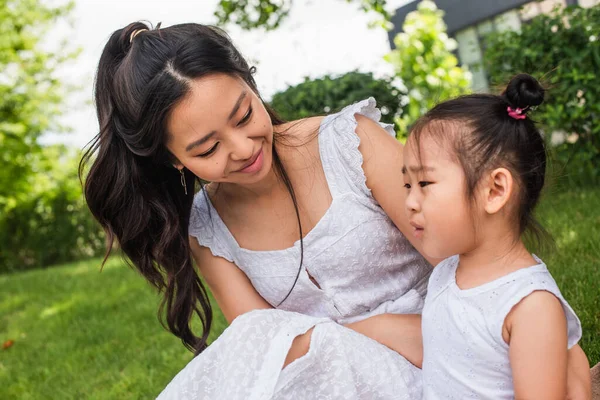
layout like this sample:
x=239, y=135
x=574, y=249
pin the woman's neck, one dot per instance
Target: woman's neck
x=263, y=188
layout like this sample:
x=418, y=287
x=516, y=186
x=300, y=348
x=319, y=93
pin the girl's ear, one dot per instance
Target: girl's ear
x=497, y=190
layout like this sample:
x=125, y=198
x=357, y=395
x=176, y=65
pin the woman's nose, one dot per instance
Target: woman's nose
x=242, y=148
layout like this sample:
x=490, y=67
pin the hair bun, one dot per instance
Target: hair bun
x=524, y=91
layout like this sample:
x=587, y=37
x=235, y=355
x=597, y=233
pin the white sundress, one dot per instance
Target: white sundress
x=364, y=267
x=477, y=368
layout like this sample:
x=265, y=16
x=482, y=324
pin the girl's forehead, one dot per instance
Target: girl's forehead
x=427, y=150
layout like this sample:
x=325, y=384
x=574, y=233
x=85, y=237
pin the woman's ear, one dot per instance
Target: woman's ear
x=498, y=190
x=177, y=164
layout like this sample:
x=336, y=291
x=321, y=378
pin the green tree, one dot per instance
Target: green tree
x=30, y=94
x=269, y=14
x=51, y=223
x=43, y=219
x=424, y=61
x=332, y=93
x=567, y=61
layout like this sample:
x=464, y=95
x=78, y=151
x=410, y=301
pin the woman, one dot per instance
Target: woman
x=303, y=217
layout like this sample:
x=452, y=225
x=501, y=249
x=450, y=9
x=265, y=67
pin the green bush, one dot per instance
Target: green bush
x=424, y=62
x=51, y=223
x=331, y=93
x=562, y=50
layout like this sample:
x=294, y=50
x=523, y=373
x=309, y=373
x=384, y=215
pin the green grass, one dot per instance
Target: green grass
x=80, y=333
x=573, y=219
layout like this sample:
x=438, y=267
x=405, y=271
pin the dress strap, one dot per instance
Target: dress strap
x=209, y=230
x=338, y=145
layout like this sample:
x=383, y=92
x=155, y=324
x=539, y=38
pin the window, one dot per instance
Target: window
x=535, y=8
x=470, y=54
x=509, y=21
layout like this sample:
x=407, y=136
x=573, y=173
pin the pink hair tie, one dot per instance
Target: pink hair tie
x=517, y=113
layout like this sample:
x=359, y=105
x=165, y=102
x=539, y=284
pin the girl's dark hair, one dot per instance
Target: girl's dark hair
x=132, y=188
x=484, y=136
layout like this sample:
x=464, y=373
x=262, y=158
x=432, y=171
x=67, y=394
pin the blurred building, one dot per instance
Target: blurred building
x=469, y=21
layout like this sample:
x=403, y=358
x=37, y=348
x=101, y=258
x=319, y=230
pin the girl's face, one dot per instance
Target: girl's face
x=436, y=202
x=222, y=132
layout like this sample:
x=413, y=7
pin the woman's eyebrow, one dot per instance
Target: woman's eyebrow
x=204, y=139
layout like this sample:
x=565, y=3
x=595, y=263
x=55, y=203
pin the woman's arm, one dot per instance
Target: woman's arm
x=382, y=165
x=579, y=380
x=399, y=332
x=229, y=285
x=235, y=294
x=536, y=332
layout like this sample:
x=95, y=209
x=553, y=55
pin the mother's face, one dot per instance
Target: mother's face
x=221, y=131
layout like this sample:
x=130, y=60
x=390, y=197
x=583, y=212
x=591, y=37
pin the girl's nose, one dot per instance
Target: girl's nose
x=412, y=203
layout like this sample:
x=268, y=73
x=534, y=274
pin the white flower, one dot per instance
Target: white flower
x=572, y=138
x=415, y=94
x=593, y=38
x=554, y=28
x=580, y=93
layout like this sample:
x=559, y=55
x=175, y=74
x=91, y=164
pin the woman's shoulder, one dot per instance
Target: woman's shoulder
x=297, y=132
x=363, y=113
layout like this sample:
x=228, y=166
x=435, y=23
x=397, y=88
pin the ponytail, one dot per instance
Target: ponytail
x=135, y=193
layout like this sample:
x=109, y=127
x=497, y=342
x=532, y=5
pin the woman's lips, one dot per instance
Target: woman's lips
x=255, y=164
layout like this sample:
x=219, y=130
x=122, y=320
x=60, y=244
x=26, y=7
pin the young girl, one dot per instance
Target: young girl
x=495, y=324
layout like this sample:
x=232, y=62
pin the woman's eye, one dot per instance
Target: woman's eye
x=246, y=117
x=424, y=183
x=210, y=151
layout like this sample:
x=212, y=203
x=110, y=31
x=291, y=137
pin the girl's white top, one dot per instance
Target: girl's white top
x=465, y=356
x=364, y=266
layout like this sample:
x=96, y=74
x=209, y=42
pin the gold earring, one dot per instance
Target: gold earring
x=183, y=180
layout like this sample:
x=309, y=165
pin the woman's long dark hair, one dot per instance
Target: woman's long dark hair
x=132, y=188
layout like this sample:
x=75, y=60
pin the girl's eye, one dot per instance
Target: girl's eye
x=424, y=183
x=246, y=117
x=407, y=185
x=210, y=151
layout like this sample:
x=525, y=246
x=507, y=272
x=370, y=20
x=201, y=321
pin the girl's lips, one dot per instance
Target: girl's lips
x=255, y=164
x=417, y=230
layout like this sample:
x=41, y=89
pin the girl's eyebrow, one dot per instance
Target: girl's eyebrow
x=416, y=169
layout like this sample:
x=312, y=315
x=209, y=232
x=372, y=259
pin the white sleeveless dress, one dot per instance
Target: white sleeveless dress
x=478, y=367
x=364, y=267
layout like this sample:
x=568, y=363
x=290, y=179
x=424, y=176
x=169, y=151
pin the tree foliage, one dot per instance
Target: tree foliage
x=424, y=61
x=30, y=93
x=42, y=216
x=51, y=223
x=332, y=93
x=567, y=60
x=269, y=14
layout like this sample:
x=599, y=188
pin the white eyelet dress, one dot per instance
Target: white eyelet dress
x=364, y=267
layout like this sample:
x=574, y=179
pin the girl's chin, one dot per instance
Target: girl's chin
x=436, y=252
